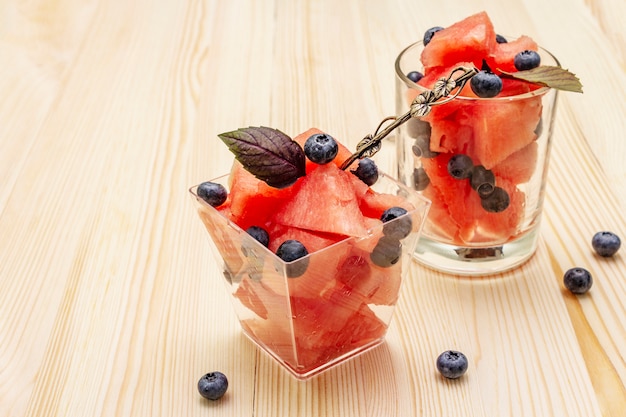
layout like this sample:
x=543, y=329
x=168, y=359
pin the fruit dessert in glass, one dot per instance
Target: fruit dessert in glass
x=313, y=255
x=481, y=157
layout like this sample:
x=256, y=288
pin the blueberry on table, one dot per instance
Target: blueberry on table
x=400, y=228
x=526, y=60
x=428, y=35
x=321, y=148
x=289, y=251
x=452, y=364
x=486, y=84
x=577, y=280
x=213, y=385
x=606, y=243
x=460, y=166
x=366, y=171
x=212, y=193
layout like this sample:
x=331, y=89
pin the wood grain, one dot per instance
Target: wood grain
x=110, y=303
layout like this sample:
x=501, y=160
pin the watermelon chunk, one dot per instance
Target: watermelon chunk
x=470, y=39
x=325, y=201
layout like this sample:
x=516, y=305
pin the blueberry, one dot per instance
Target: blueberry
x=387, y=252
x=483, y=181
x=526, y=60
x=415, y=76
x=291, y=250
x=421, y=146
x=460, y=166
x=399, y=228
x=577, y=280
x=428, y=35
x=420, y=179
x=497, y=201
x=417, y=128
x=452, y=364
x=214, y=194
x=486, y=84
x=321, y=148
x=606, y=243
x=501, y=39
x=259, y=234
x=213, y=385
x=366, y=171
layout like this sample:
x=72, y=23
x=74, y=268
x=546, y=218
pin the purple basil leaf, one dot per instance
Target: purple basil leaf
x=268, y=154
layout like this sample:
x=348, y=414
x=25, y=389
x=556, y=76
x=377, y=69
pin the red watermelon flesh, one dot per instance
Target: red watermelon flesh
x=470, y=39
x=253, y=202
x=502, y=55
x=519, y=166
x=503, y=127
x=325, y=201
x=460, y=206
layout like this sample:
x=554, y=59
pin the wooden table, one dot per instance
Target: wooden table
x=110, y=304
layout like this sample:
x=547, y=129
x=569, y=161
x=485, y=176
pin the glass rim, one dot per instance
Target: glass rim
x=422, y=207
x=538, y=92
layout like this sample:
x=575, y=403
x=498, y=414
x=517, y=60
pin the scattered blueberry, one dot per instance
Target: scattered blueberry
x=428, y=35
x=291, y=250
x=500, y=39
x=366, y=171
x=415, y=76
x=606, y=243
x=577, y=280
x=486, y=84
x=214, y=194
x=399, y=228
x=213, y=385
x=460, y=166
x=483, y=181
x=259, y=234
x=526, y=60
x=497, y=201
x=387, y=252
x=452, y=364
x=321, y=148
x=420, y=179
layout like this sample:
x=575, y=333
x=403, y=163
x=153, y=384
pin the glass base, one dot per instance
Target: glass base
x=304, y=374
x=476, y=261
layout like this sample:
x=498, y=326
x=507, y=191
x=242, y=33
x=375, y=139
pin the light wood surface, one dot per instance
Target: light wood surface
x=110, y=304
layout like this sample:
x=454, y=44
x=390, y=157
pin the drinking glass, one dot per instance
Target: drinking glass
x=329, y=306
x=488, y=222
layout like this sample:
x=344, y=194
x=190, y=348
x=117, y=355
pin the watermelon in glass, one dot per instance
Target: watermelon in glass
x=341, y=301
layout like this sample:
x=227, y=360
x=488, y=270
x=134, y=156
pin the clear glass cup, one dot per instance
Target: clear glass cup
x=325, y=308
x=510, y=138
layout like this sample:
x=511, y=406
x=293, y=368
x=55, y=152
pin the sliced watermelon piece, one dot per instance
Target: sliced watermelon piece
x=503, y=127
x=252, y=201
x=503, y=54
x=470, y=39
x=326, y=202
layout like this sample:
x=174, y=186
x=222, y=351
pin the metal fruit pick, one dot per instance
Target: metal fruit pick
x=445, y=90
